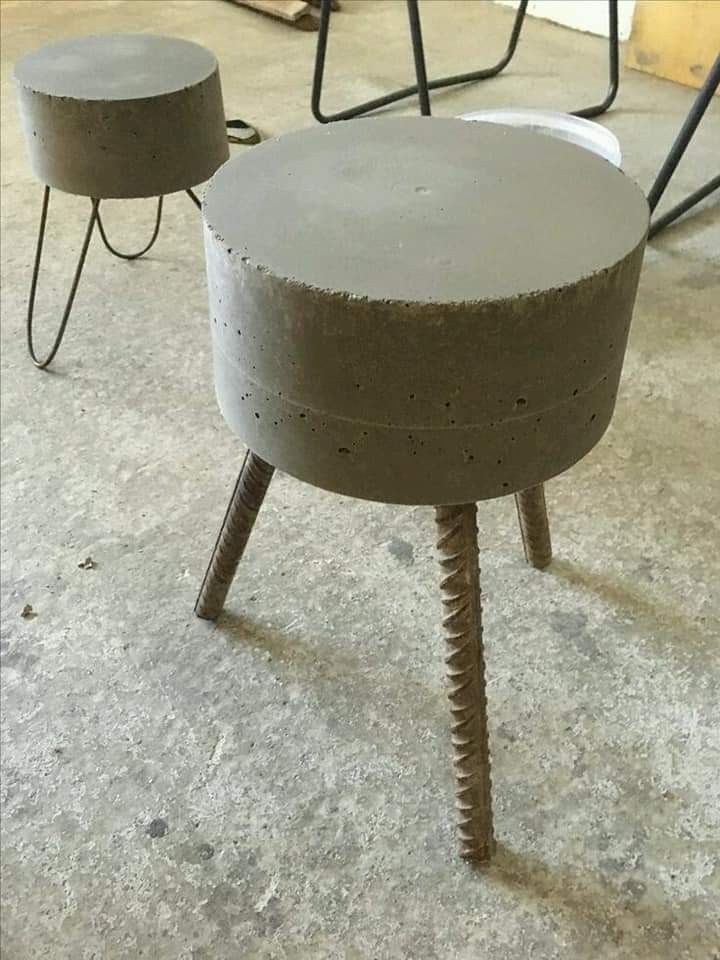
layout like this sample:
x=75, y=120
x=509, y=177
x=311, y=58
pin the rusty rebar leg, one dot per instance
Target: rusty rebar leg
x=458, y=555
x=534, y=526
x=248, y=495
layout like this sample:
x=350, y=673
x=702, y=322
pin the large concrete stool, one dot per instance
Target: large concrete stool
x=118, y=115
x=420, y=311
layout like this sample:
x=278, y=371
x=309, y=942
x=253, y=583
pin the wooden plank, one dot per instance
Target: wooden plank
x=298, y=13
x=675, y=39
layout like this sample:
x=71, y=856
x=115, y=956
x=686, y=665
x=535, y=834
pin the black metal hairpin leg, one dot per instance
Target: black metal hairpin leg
x=41, y=364
x=378, y=102
x=156, y=230
x=419, y=57
x=132, y=256
x=45, y=362
x=685, y=135
x=614, y=65
x=456, y=79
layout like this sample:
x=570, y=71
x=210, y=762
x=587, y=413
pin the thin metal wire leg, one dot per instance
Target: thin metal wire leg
x=458, y=555
x=456, y=79
x=42, y=364
x=487, y=72
x=194, y=197
x=419, y=57
x=534, y=526
x=384, y=101
x=248, y=495
x=319, y=68
x=132, y=256
x=678, y=148
x=614, y=66
x=679, y=209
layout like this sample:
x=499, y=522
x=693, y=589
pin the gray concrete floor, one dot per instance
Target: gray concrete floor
x=297, y=753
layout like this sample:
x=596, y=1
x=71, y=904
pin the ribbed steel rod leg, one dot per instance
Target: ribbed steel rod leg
x=458, y=555
x=534, y=526
x=248, y=495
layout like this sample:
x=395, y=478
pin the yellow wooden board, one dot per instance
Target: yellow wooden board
x=675, y=39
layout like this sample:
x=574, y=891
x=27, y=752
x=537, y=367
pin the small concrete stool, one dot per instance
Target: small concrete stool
x=420, y=311
x=118, y=115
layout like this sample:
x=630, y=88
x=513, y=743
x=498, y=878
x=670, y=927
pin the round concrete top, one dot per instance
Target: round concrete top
x=115, y=66
x=425, y=210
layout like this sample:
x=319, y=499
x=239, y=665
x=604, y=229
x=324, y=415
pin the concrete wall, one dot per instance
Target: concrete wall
x=588, y=15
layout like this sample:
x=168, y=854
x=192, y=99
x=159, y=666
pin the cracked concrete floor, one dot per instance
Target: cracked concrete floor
x=279, y=785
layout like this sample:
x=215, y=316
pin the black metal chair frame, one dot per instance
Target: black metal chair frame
x=423, y=86
x=680, y=144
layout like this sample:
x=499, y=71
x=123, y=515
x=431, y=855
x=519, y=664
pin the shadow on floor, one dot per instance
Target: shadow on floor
x=364, y=679
x=656, y=928
x=661, y=619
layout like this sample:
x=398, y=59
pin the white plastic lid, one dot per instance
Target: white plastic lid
x=552, y=123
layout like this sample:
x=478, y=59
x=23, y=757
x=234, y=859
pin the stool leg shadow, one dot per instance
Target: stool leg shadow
x=457, y=550
x=534, y=526
x=250, y=489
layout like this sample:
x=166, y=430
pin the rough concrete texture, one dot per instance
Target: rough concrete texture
x=444, y=321
x=279, y=786
x=122, y=114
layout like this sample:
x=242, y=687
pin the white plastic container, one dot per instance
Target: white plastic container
x=552, y=123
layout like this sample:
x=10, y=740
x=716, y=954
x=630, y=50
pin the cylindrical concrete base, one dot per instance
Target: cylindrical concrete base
x=421, y=310
x=122, y=115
